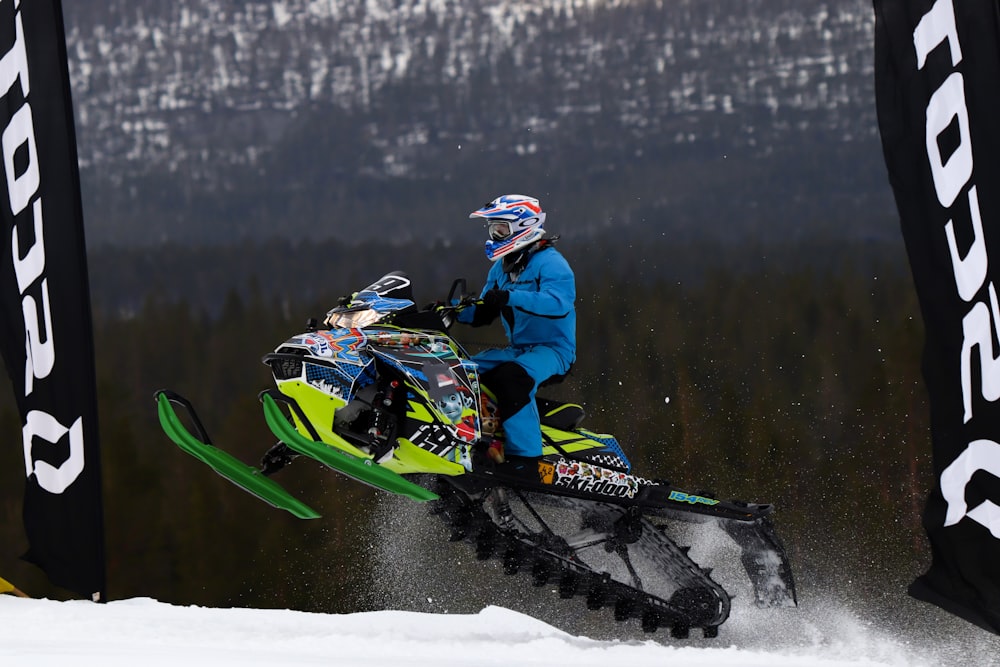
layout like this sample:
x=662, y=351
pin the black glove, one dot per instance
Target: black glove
x=496, y=298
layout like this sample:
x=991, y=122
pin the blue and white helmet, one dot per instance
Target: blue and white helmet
x=513, y=222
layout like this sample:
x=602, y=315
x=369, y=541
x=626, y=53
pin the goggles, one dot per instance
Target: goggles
x=498, y=230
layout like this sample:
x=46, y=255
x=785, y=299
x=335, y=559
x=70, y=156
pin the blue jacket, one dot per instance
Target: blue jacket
x=540, y=310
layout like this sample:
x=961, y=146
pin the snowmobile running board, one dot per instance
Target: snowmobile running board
x=246, y=477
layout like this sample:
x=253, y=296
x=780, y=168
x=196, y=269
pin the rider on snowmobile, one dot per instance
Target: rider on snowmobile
x=532, y=286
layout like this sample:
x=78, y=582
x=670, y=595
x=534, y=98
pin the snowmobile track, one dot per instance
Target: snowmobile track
x=486, y=524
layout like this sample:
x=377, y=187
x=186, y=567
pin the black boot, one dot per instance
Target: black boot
x=276, y=458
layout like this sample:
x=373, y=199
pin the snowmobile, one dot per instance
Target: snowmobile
x=381, y=393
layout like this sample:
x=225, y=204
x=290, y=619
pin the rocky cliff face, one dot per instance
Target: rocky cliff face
x=210, y=119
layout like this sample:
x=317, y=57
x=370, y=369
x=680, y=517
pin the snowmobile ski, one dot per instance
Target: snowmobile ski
x=362, y=470
x=246, y=477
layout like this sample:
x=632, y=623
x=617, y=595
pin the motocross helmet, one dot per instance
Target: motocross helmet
x=513, y=222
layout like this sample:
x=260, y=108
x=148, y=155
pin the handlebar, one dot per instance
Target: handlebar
x=458, y=299
x=464, y=297
x=460, y=286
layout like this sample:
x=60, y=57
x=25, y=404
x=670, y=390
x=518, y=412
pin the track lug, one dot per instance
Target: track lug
x=680, y=630
x=485, y=544
x=568, y=585
x=711, y=631
x=623, y=609
x=511, y=561
x=540, y=572
x=461, y=521
x=596, y=597
x=650, y=621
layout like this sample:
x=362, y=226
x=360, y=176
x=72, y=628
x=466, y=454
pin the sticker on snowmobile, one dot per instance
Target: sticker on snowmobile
x=436, y=441
x=452, y=398
x=351, y=368
x=581, y=476
x=411, y=352
x=441, y=443
x=682, y=497
x=435, y=345
x=318, y=345
x=342, y=345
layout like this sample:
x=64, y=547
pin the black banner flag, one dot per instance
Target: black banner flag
x=937, y=83
x=45, y=322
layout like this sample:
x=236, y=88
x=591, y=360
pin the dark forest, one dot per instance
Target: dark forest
x=758, y=374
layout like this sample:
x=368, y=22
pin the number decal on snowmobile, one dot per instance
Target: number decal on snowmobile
x=682, y=497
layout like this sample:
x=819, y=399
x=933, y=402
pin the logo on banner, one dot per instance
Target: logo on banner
x=22, y=180
x=952, y=175
x=54, y=479
x=979, y=455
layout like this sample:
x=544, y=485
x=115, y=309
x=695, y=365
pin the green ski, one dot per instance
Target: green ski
x=362, y=470
x=246, y=477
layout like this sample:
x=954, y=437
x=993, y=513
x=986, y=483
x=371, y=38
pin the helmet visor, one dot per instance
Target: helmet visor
x=499, y=230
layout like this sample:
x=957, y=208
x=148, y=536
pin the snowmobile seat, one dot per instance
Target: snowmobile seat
x=563, y=416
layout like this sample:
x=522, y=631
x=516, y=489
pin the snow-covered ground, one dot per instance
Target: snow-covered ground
x=465, y=613
x=144, y=632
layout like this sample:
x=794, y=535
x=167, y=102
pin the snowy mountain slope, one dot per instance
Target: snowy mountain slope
x=291, y=109
x=139, y=67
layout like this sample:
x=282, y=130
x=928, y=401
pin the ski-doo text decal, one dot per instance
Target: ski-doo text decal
x=585, y=478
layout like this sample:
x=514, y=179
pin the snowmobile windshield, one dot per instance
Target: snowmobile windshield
x=366, y=308
x=357, y=319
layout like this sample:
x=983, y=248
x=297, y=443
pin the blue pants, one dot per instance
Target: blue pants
x=517, y=374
